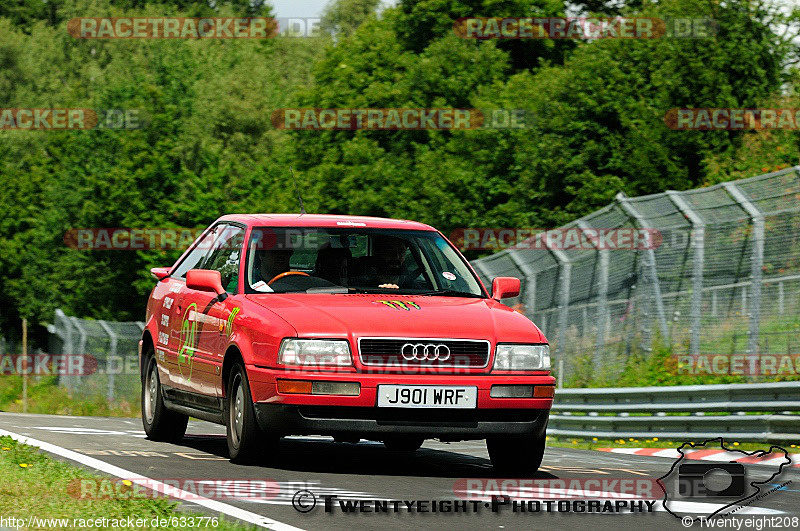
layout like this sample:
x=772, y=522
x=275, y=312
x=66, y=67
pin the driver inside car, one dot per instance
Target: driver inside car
x=271, y=264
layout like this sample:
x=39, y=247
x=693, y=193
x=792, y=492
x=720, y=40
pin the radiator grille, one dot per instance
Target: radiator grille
x=424, y=352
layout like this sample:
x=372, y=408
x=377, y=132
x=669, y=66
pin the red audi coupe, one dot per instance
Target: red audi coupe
x=345, y=326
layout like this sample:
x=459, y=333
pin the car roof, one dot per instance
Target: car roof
x=323, y=220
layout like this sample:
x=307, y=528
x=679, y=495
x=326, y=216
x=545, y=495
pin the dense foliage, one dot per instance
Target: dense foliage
x=210, y=148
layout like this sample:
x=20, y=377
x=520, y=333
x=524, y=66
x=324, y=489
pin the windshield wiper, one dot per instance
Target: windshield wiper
x=329, y=289
x=376, y=290
x=450, y=293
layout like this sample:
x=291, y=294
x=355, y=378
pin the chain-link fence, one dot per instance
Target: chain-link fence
x=111, y=351
x=725, y=278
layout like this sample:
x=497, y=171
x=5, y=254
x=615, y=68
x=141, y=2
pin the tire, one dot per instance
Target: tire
x=516, y=455
x=160, y=424
x=246, y=441
x=403, y=443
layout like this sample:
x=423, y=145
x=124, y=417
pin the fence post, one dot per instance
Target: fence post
x=68, y=346
x=698, y=233
x=756, y=264
x=648, y=263
x=111, y=355
x=81, y=347
x=66, y=336
x=565, y=272
x=714, y=303
x=602, y=300
x=530, y=282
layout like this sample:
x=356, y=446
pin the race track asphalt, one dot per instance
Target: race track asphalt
x=369, y=471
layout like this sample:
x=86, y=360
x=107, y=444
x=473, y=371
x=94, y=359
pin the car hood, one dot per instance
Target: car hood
x=369, y=315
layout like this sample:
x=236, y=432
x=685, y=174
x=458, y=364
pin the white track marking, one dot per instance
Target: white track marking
x=79, y=431
x=213, y=505
x=708, y=508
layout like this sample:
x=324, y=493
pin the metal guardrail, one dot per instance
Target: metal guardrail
x=680, y=412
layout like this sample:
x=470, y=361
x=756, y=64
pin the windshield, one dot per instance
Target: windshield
x=347, y=260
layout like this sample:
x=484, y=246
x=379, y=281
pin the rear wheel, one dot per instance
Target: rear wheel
x=516, y=454
x=160, y=424
x=246, y=441
x=403, y=444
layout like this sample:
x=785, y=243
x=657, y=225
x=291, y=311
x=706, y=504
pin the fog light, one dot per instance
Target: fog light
x=294, y=387
x=336, y=388
x=511, y=391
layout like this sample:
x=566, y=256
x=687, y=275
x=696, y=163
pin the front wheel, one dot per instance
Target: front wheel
x=160, y=424
x=246, y=441
x=516, y=454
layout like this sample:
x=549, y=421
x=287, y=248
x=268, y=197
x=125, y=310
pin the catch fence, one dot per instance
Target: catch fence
x=725, y=278
x=114, y=347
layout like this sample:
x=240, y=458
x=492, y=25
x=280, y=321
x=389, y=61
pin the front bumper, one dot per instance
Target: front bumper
x=373, y=422
x=306, y=414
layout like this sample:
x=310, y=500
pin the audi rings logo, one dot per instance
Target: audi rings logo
x=423, y=352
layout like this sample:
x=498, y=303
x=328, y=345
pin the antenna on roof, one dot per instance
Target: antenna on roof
x=297, y=189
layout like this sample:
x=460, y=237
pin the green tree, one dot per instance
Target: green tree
x=343, y=17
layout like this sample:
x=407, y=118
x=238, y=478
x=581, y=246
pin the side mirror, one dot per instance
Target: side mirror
x=160, y=273
x=505, y=287
x=206, y=280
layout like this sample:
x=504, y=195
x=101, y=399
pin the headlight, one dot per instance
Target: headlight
x=510, y=357
x=315, y=352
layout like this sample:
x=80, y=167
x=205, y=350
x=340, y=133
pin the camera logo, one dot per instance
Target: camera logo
x=714, y=479
x=696, y=490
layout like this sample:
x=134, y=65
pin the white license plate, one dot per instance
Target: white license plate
x=443, y=396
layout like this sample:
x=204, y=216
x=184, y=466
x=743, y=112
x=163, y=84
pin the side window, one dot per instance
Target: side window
x=195, y=258
x=225, y=255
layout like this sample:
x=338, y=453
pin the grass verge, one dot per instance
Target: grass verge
x=46, y=397
x=34, y=485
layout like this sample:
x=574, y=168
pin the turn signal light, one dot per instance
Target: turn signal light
x=544, y=391
x=294, y=387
